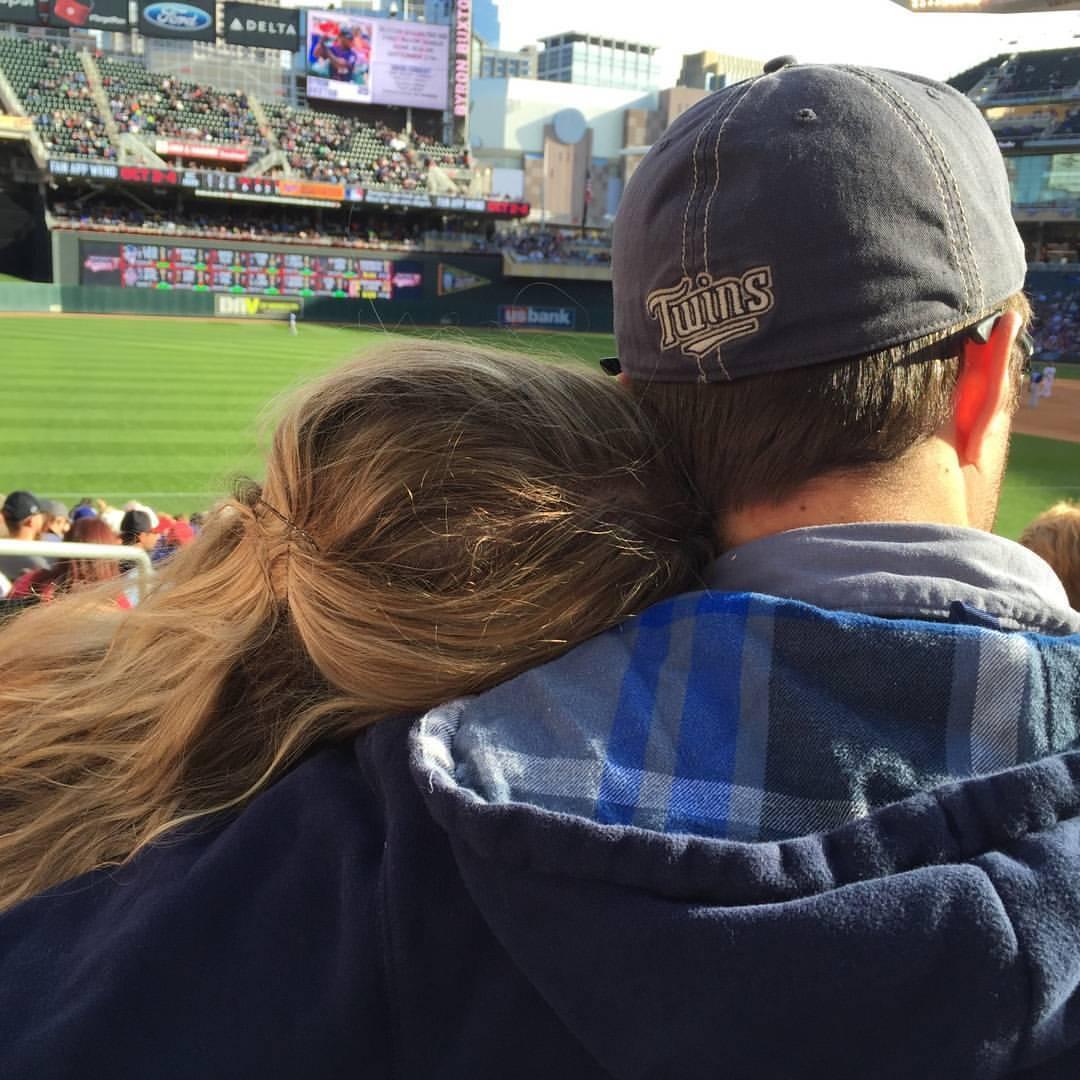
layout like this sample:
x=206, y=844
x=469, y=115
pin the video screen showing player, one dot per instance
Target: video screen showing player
x=340, y=49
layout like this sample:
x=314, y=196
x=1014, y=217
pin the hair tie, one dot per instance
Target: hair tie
x=290, y=525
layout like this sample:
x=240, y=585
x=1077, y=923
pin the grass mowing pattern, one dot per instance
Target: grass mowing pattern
x=166, y=410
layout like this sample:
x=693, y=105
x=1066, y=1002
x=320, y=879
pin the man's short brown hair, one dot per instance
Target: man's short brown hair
x=760, y=439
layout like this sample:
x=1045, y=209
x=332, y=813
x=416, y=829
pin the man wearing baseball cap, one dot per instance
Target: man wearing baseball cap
x=24, y=519
x=821, y=818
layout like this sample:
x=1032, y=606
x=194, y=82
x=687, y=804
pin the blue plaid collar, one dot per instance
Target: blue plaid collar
x=746, y=717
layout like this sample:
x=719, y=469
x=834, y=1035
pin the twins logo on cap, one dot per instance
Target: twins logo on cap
x=700, y=314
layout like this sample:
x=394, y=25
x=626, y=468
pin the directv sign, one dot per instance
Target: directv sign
x=179, y=20
x=262, y=27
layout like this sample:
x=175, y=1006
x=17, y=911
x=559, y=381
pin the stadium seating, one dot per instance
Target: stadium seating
x=967, y=80
x=325, y=146
x=160, y=105
x=1037, y=73
x=52, y=86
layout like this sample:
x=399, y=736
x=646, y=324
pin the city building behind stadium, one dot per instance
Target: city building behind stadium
x=390, y=162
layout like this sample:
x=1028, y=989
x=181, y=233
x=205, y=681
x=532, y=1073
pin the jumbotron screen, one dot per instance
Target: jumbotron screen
x=214, y=268
x=366, y=61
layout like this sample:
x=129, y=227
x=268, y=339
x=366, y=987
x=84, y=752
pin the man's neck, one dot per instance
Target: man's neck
x=920, y=489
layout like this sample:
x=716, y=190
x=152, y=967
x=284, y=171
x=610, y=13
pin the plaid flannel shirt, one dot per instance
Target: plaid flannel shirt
x=751, y=717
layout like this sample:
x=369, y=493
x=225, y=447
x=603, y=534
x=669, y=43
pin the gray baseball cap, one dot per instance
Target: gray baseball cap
x=810, y=214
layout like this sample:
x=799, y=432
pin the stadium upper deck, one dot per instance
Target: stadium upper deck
x=104, y=108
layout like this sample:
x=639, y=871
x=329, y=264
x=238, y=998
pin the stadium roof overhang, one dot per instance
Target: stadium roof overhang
x=987, y=7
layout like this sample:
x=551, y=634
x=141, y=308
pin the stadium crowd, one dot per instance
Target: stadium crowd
x=149, y=104
x=1049, y=72
x=54, y=91
x=27, y=579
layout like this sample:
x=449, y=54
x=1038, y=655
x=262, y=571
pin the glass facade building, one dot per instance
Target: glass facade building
x=589, y=60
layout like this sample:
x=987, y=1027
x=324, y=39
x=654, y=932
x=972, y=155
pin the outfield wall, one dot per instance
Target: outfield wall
x=405, y=287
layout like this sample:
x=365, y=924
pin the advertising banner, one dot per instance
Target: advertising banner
x=256, y=307
x=460, y=202
x=89, y=14
x=179, y=20
x=96, y=170
x=398, y=198
x=462, y=48
x=454, y=280
x=506, y=209
x=522, y=317
x=20, y=11
x=203, y=151
x=311, y=189
x=262, y=27
x=368, y=61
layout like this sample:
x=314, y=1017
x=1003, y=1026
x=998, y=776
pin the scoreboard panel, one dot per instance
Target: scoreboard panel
x=218, y=268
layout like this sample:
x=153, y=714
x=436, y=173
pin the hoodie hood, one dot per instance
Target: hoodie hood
x=635, y=823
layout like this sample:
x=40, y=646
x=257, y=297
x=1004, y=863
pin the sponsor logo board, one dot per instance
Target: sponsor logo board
x=202, y=151
x=453, y=280
x=262, y=27
x=526, y=317
x=311, y=189
x=91, y=14
x=188, y=20
x=256, y=307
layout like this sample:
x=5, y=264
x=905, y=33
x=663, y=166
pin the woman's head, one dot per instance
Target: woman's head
x=78, y=572
x=469, y=510
x=1055, y=536
x=433, y=520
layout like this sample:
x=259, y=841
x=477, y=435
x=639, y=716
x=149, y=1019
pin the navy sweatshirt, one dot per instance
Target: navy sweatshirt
x=575, y=875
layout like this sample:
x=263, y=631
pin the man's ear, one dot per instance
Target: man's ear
x=984, y=389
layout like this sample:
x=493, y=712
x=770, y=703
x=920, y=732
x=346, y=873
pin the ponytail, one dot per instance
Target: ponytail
x=433, y=521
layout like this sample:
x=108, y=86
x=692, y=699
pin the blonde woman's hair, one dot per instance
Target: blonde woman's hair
x=1055, y=536
x=434, y=520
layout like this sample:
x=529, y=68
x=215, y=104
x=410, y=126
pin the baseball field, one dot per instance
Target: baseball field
x=166, y=410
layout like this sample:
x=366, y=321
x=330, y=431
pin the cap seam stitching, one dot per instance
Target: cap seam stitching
x=976, y=276
x=694, y=185
x=956, y=234
x=716, y=174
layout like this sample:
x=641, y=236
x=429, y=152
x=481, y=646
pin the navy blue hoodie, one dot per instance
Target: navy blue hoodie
x=571, y=877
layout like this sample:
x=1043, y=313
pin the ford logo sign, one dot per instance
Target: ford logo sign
x=183, y=18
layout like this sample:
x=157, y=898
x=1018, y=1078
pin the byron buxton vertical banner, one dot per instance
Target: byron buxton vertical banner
x=460, y=55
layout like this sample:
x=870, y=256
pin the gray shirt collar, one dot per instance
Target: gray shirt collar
x=901, y=570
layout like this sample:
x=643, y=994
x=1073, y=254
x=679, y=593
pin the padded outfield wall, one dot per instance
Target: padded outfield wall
x=123, y=273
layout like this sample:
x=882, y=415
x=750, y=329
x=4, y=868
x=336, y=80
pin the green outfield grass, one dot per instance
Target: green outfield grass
x=166, y=410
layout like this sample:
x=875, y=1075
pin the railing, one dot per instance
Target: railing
x=113, y=552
